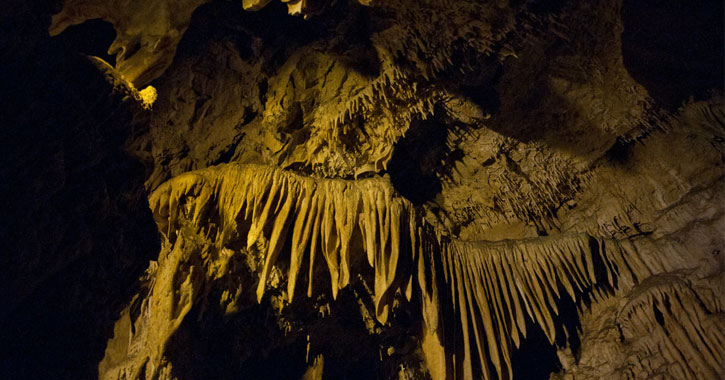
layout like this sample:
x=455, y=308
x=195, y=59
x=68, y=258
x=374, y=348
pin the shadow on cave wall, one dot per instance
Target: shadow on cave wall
x=524, y=105
x=228, y=21
x=536, y=112
x=415, y=161
x=675, y=49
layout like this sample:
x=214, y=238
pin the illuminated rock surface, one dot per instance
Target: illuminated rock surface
x=311, y=189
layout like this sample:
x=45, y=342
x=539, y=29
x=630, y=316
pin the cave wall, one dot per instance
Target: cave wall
x=572, y=147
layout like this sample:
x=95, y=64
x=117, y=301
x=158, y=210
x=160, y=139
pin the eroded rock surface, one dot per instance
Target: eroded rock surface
x=367, y=189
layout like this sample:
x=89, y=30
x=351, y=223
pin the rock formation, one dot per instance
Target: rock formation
x=362, y=189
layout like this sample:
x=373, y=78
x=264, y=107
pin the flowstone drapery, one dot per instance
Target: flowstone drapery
x=205, y=215
x=257, y=203
x=491, y=288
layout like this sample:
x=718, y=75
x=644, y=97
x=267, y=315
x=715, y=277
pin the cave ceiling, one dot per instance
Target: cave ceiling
x=385, y=189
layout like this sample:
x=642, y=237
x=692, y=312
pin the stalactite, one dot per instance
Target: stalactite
x=324, y=215
x=356, y=118
x=493, y=287
x=681, y=319
x=490, y=288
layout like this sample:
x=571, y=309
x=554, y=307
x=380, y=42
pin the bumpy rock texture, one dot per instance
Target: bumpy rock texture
x=363, y=189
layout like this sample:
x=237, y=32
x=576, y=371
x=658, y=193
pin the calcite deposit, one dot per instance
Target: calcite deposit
x=362, y=189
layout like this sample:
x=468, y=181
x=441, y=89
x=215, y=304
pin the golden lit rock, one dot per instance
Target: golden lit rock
x=147, y=33
x=388, y=189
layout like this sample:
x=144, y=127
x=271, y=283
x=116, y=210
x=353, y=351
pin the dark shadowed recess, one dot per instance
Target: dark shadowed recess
x=259, y=342
x=415, y=160
x=223, y=20
x=353, y=46
x=248, y=345
x=675, y=49
x=254, y=344
x=424, y=157
x=536, y=358
x=480, y=86
x=545, y=6
x=92, y=37
x=76, y=229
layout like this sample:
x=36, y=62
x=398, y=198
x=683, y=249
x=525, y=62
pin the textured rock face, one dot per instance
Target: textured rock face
x=146, y=32
x=377, y=189
x=149, y=32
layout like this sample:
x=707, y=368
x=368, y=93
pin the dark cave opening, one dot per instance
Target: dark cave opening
x=536, y=358
x=546, y=6
x=675, y=49
x=92, y=37
x=219, y=347
x=416, y=160
x=425, y=157
x=620, y=151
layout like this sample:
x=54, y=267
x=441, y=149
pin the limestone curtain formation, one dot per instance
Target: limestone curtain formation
x=329, y=218
x=491, y=288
